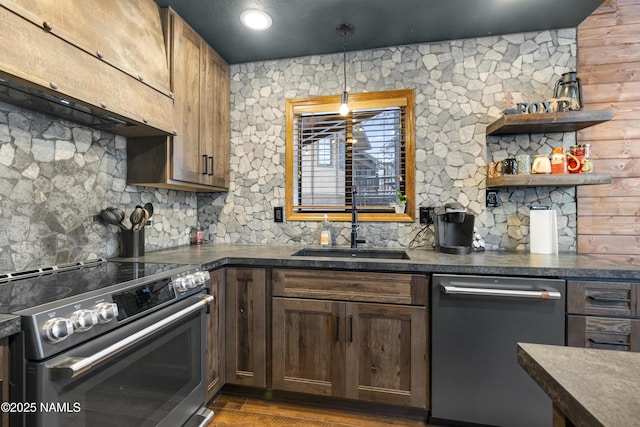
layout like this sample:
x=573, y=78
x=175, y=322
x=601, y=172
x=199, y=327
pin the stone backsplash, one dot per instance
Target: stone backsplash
x=56, y=176
x=460, y=87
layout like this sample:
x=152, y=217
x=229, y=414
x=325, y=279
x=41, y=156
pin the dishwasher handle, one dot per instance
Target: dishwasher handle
x=546, y=294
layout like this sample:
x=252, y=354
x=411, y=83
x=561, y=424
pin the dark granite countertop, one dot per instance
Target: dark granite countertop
x=212, y=256
x=421, y=261
x=589, y=387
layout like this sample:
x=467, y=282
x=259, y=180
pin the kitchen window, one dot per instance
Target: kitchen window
x=370, y=149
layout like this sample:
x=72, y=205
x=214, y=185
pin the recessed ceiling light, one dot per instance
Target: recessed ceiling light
x=255, y=19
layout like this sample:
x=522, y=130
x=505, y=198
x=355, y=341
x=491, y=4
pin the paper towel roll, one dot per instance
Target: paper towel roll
x=543, y=232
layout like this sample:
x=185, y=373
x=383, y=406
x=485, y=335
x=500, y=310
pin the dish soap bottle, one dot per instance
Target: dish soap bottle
x=325, y=235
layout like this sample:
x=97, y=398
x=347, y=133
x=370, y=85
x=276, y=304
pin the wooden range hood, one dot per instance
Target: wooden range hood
x=101, y=63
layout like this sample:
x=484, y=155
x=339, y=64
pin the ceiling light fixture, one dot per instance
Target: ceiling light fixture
x=255, y=19
x=344, y=31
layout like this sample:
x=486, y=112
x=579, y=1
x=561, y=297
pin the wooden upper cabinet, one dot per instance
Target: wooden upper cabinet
x=185, y=53
x=196, y=158
x=215, y=126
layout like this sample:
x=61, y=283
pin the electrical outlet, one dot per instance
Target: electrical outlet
x=426, y=215
x=492, y=199
x=278, y=215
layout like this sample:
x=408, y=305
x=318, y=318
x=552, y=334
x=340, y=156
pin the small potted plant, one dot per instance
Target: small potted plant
x=402, y=201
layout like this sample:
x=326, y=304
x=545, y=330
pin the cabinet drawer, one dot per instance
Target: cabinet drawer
x=603, y=333
x=351, y=286
x=603, y=298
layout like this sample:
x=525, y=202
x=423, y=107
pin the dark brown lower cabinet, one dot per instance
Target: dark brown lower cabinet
x=245, y=324
x=215, y=335
x=364, y=351
x=607, y=333
x=604, y=315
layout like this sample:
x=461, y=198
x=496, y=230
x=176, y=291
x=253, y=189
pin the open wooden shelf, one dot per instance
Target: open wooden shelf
x=548, y=122
x=548, y=180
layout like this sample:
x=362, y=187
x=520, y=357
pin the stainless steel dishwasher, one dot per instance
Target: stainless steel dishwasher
x=476, y=323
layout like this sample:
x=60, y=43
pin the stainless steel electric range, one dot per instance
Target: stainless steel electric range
x=107, y=343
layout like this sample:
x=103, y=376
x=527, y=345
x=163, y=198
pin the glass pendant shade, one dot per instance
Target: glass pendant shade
x=344, y=104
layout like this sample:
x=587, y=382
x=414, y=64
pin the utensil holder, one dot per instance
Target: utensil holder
x=132, y=243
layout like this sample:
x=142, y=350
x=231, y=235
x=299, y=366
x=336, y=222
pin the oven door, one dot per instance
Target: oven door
x=147, y=373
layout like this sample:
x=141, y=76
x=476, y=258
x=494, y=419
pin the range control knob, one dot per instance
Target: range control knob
x=106, y=311
x=181, y=284
x=193, y=279
x=83, y=320
x=201, y=277
x=57, y=329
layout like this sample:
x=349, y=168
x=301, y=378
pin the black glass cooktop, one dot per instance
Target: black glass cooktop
x=29, y=289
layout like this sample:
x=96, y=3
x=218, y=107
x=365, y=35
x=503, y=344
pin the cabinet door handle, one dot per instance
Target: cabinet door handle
x=618, y=343
x=211, y=165
x=204, y=164
x=350, y=328
x=337, y=327
x=609, y=299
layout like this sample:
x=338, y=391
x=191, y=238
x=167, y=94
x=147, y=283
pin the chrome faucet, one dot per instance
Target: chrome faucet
x=355, y=226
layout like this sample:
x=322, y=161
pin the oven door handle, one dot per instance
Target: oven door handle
x=74, y=366
x=550, y=293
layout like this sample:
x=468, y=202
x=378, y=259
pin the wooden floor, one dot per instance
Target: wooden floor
x=242, y=411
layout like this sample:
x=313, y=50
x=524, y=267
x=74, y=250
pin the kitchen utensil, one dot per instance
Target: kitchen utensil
x=145, y=218
x=113, y=216
x=119, y=213
x=570, y=86
x=137, y=216
x=149, y=208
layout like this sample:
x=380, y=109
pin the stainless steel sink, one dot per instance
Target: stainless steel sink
x=352, y=253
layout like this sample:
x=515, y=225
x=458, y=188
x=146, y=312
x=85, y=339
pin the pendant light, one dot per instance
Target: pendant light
x=344, y=31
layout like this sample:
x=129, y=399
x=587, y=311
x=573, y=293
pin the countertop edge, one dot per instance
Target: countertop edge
x=590, y=387
x=9, y=325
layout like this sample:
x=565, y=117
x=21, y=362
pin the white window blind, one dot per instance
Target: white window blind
x=334, y=153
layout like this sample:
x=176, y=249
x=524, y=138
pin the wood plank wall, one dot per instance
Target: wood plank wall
x=609, y=65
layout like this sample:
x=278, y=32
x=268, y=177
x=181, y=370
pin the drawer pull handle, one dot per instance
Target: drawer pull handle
x=204, y=164
x=350, y=328
x=619, y=343
x=609, y=299
x=337, y=327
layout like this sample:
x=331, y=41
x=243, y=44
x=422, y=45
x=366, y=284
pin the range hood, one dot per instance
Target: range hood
x=33, y=98
x=100, y=63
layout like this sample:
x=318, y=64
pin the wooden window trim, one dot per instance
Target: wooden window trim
x=358, y=101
